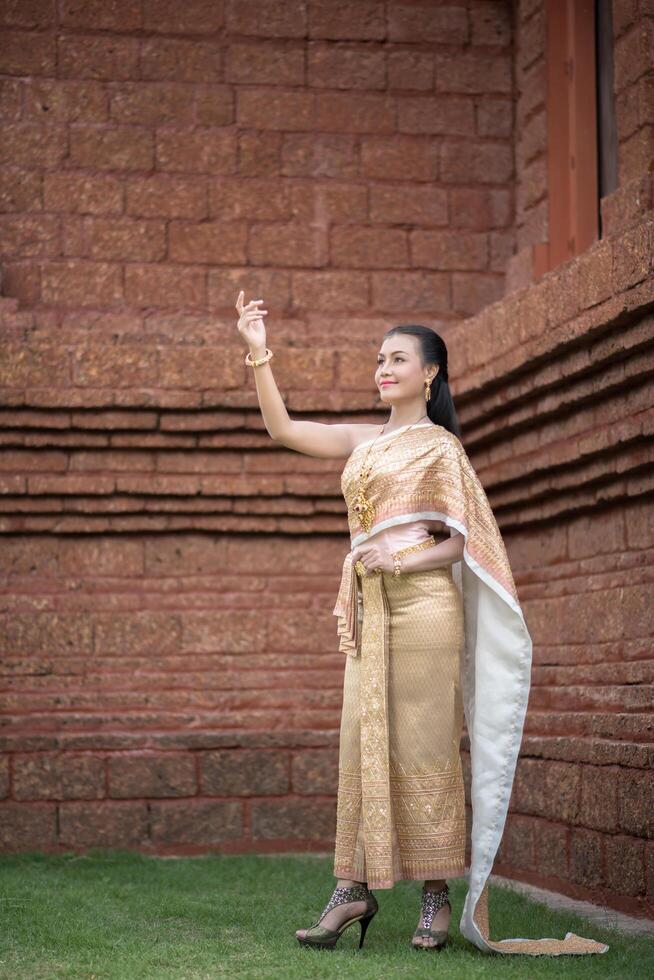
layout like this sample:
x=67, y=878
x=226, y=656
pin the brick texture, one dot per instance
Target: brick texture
x=168, y=657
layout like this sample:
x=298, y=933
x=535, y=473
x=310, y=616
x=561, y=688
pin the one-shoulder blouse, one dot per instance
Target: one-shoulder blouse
x=413, y=532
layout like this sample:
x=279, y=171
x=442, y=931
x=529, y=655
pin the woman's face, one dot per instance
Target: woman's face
x=400, y=374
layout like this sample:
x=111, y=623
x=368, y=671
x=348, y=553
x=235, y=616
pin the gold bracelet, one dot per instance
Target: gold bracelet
x=261, y=360
x=429, y=542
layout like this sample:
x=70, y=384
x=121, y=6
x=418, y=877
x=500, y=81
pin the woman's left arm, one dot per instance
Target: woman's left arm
x=444, y=553
x=375, y=556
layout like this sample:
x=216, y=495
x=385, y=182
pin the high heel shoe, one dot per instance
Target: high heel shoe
x=431, y=902
x=320, y=937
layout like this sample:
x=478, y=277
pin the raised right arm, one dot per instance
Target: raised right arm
x=312, y=438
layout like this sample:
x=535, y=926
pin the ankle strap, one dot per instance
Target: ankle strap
x=432, y=901
x=351, y=893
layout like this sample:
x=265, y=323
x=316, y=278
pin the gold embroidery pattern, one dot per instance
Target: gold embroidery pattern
x=401, y=796
x=348, y=610
x=348, y=818
x=533, y=947
x=411, y=549
x=431, y=821
x=429, y=470
x=375, y=784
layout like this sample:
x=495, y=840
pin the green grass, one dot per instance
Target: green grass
x=112, y=914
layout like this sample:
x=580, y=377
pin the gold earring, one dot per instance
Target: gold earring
x=427, y=389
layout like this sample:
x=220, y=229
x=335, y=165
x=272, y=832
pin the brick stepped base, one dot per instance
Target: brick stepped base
x=112, y=423
x=279, y=717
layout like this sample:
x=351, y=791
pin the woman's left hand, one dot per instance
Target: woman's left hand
x=374, y=557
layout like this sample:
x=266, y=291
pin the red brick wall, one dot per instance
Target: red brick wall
x=633, y=25
x=358, y=153
x=532, y=200
x=171, y=679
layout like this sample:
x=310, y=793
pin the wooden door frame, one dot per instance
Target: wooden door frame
x=572, y=157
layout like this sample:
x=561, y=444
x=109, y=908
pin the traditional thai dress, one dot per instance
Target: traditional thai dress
x=427, y=649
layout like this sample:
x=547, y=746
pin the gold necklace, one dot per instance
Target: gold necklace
x=363, y=506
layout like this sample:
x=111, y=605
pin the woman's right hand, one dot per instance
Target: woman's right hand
x=250, y=323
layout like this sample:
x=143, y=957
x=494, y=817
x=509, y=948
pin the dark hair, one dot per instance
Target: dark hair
x=440, y=407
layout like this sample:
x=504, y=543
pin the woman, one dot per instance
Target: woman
x=428, y=639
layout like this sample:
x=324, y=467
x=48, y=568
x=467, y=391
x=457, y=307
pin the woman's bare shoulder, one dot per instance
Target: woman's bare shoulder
x=361, y=432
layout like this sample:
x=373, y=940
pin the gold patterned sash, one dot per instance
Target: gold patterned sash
x=349, y=599
x=348, y=625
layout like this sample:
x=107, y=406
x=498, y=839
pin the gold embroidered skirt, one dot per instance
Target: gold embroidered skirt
x=401, y=800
